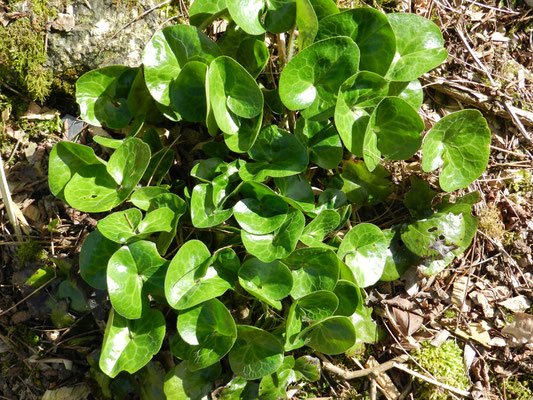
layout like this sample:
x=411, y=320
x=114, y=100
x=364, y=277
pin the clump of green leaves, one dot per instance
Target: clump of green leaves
x=445, y=363
x=253, y=244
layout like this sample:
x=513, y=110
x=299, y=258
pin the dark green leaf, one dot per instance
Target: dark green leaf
x=399, y=257
x=183, y=384
x=411, y=92
x=296, y=191
x=307, y=22
x=418, y=199
x=349, y=296
x=363, y=187
x=333, y=335
x=460, y=144
x=187, y=92
x=324, y=223
x=204, y=213
x=253, y=55
x=94, y=256
x=202, y=11
x=240, y=389
x=322, y=140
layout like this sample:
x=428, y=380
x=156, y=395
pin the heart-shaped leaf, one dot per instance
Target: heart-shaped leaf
x=307, y=22
x=187, y=92
x=419, y=46
x=129, y=345
x=276, y=153
x=317, y=305
x=253, y=55
x=311, y=80
x=363, y=187
x=191, y=279
x=460, y=143
x=323, y=8
x=399, y=257
x=313, y=269
x=97, y=188
x=239, y=388
x=65, y=160
x=322, y=141
x=178, y=207
x=204, y=213
x=349, y=296
x=127, y=270
x=269, y=282
x=183, y=384
x=297, y=192
x=393, y=131
x=323, y=224
x=201, y=12
x=168, y=52
x=411, y=92
x=142, y=197
x=234, y=94
x=366, y=328
x=372, y=32
x=94, y=256
x=356, y=100
x=256, y=353
x=261, y=210
x=333, y=335
x=102, y=96
x=258, y=16
x=278, y=244
x=364, y=250
x=206, y=334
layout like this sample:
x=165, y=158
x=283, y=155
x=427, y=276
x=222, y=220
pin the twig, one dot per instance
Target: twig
x=28, y=296
x=6, y=197
x=374, y=371
x=432, y=381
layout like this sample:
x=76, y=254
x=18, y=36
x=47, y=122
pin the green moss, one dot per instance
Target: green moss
x=445, y=363
x=518, y=388
x=30, y=252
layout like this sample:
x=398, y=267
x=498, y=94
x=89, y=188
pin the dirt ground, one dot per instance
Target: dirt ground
x=478, y=311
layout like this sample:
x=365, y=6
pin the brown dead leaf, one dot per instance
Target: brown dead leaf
x=407, y=322
x=521, y=329
x=476, y=332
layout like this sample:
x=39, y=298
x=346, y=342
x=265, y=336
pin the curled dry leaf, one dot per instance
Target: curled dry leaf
x=521, y=329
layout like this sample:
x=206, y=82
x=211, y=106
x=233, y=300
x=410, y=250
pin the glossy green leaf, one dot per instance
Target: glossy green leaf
x=349, y=296
x=296, y=191
x=94, y=256
x=333, y=335
x=324, y=8
x=276, y=153
x=269, y=282
x=206, y=332
x=393, y=131
x=278, y=244
x=307, y=22
x=120, y=226
x=419, y=46
x=364, y=250
x=230, y=42
x=253, y=55
x=178, y=207
x=311, y=80
x=102, y=95
x=97, y=188
x=460, y=144
x=308, y=367
x=356, y=100
x=240, y=389
x=274, y=386
x=233, y=90
x=204, y=213
x=280, y=16
x=418, y=199
x=191, y=279
x=168, y=52
x=399, y=257
x=411, y=92
x=372, y=32
x=150, y=380
x=313, y=269
x=248, y=14
x=260, y=211
x=70, y=290
x=108, y=142
x=272, y=100
x=127, y=270
x=142, y=196
x=128, y=345
x=323, y=224
x=317, y=305
x=246, y=135
x=202, y=11
x=256, y=353
x=366, y=328
x=322, y=141
x=207, y=170
x=65, y=160
x=187, y=92
x=183, y=384
x=363, y=187
x=331, y=199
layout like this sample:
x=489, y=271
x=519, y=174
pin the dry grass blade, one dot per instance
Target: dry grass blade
x=6, y=198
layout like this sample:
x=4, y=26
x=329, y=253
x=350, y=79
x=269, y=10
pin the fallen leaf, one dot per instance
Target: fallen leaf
x=408, y=322
x=475, y=332
x=68, y=393
x=516, y=304
x=459, y=292
x=521, y=329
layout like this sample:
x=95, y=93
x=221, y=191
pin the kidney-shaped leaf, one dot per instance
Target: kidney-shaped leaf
x=419, y=46
x=460, y=143
x=322, y=141
x=191, y=279
x=311, y=80
x=333, y=335
x=363, y=187
x=202, y=11
x=372, y=32
x=364, y=250
x=276, y=153
x=183, y=384
x=168, y=52
x=94, y=256
x=204, y=213
x=187, y=92
x=207, y=332
x=127, y=270
x=129, y=345
x=258, y=16
x=269, y=282
x=313, y=269
x=256, y=353
x=393, y=131
x=323, y=224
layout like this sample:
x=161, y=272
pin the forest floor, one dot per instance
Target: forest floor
x=468, y=333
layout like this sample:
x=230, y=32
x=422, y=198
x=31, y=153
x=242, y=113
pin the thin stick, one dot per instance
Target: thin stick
x=6, y=197
x=432, y=381
x=375, y=371
x=28, y=296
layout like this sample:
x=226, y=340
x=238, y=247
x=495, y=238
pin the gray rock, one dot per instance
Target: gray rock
x=89, y=41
